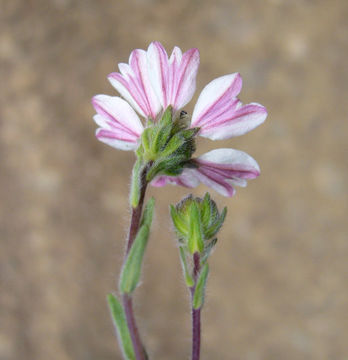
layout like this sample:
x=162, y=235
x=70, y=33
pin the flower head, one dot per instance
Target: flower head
x=152, y=83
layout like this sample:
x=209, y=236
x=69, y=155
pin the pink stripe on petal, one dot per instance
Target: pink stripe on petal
x=186, y=79
x=133, y=83
x=174, y=79
x=186, y=179
x=120, y=126
x=217, y=96
x=158, y=70
x=111, y=139
x=234, y=122
x=216, y=183
x=222, y=168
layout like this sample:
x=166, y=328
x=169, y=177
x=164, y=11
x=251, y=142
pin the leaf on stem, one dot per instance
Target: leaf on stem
x=131, y=271
x=198, y=296
x=120, y=322
x=188, y=278
x=136, y=183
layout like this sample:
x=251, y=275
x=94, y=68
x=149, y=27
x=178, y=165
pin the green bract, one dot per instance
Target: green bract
x=168, y=145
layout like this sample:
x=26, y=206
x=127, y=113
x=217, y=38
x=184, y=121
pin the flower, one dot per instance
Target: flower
x=151, y=82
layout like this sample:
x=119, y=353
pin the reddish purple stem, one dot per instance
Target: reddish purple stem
x=196, y=313
x=139, y=350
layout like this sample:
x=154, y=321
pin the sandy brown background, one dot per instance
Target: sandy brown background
x=278, y=285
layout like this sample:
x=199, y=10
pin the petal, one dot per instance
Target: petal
x=185, y=79
x=113, y=139
x=222, y=168
x=220, y=115
x=173, y=79
x=215, y=96
x=158, y=70
x=120, y=126
x=186, y=179
x=235, y=122
x=133, y=83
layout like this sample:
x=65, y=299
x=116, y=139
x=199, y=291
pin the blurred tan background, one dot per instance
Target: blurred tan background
x=278, y=284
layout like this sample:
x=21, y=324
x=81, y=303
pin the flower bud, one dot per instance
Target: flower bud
x=196, y=222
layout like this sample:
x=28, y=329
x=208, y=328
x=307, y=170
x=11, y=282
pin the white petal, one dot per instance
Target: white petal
x=215, y=97
x=158, y=70
x=231, y=158
x=117, y=110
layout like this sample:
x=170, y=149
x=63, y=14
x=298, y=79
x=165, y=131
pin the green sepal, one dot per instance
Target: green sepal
x=161, y=135
x=206, y=210
x=195, y=236
x=198, y=296
x=146, y=137
x=131, y=270
x=120, y=322
x=136, y=183
x=215, y=227
x=167, y=116
x=172, y=166
x=188, y=278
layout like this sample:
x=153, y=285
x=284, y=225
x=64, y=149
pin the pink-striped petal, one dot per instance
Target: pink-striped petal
x=133, y=83
x=186, y=179
x=119, y=125
x=219, y=113
x=173, y=79
x=220, y=169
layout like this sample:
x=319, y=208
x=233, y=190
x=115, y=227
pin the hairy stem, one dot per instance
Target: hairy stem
x=196, y=313
x=140, y=353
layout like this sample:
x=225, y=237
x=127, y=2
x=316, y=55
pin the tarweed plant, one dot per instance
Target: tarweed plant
x=149, y=119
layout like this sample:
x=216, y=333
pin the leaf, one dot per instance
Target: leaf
x=148, y=213
x=120, y=322
x=131, y=270
x=188, y=278
x=136, y=183
x=198, y=296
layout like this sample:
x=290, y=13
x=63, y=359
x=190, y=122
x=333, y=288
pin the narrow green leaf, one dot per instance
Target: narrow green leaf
x=198, y=296
x=131, y=270
x=195, y=237
x=120, y=322
x=188, y=278
x=148, y=213
x=136, y=183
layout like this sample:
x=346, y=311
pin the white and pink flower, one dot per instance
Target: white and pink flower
x=150, y=83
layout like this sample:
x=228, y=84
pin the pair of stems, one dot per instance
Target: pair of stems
x=139, y=349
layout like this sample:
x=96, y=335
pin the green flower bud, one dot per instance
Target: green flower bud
x=196, y=222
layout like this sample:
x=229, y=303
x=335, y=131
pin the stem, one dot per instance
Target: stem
x=196, y=333
x=140, y=353
x=196, y=313
x=136, y=213
x=139, y=350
